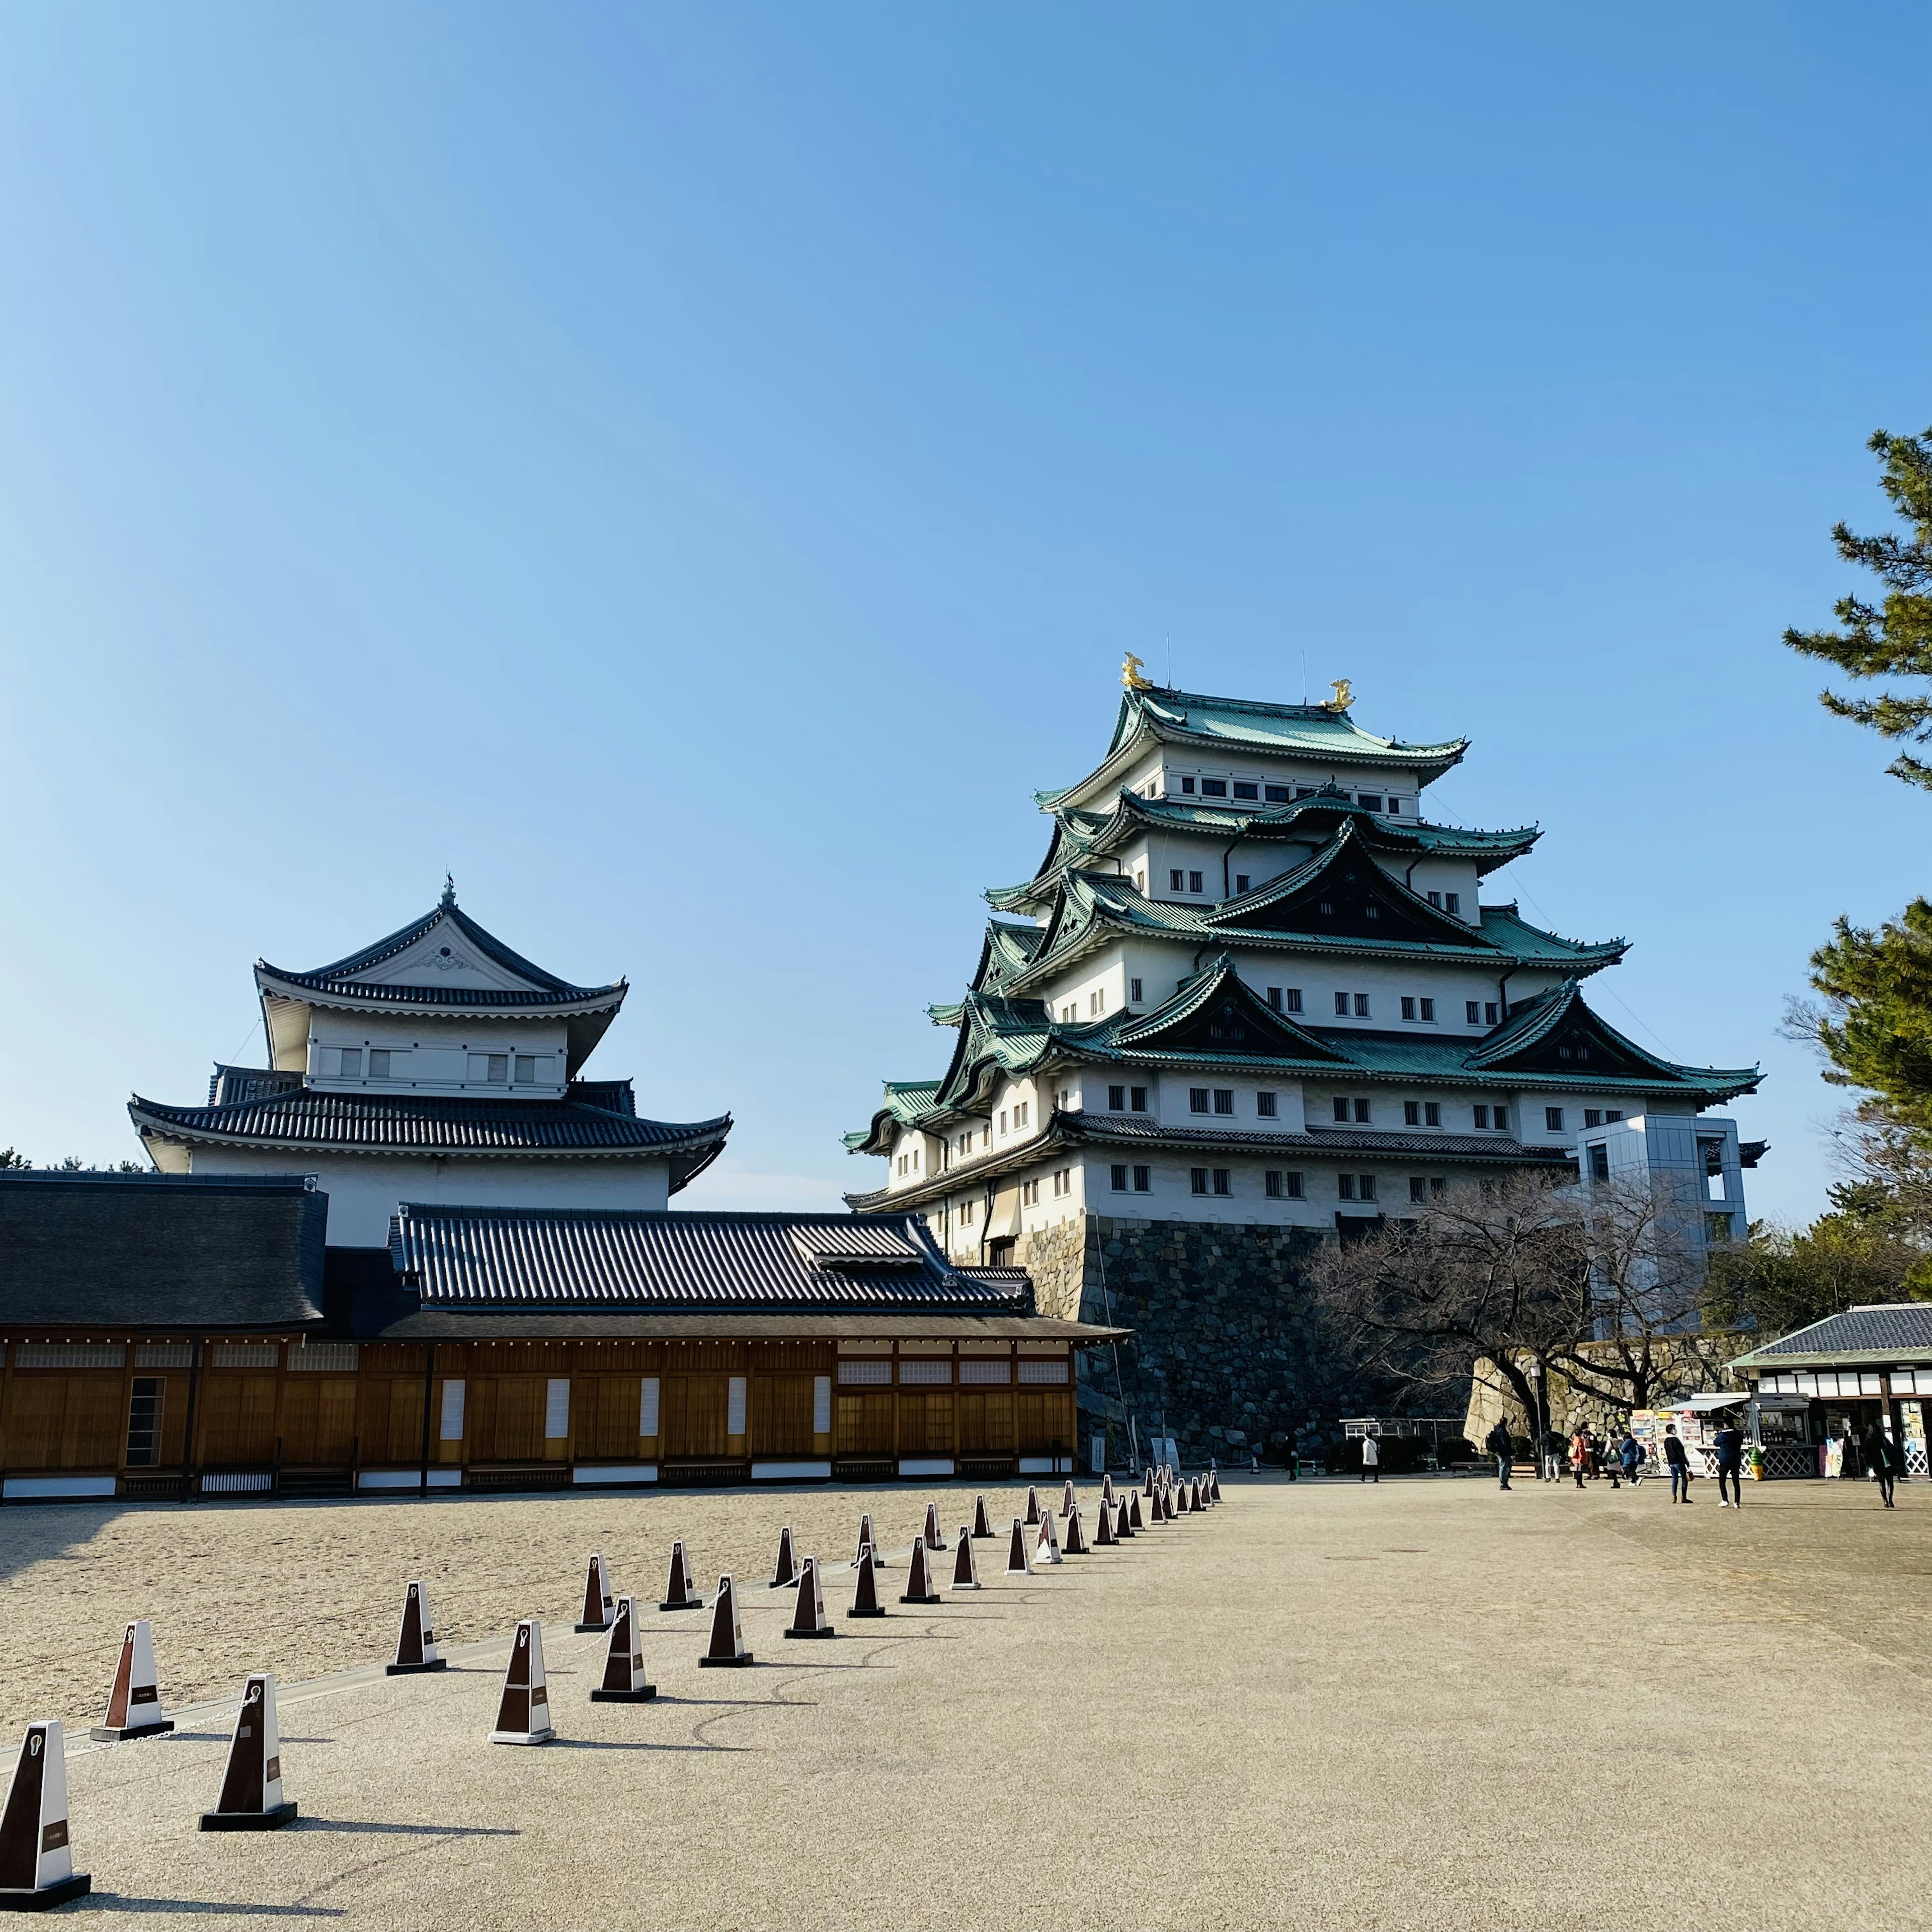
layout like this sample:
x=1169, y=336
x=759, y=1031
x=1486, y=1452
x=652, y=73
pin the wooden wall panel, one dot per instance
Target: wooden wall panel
x=781, y=1414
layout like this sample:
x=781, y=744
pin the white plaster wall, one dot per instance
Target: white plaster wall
x=437, y=1052
x=363, y=1191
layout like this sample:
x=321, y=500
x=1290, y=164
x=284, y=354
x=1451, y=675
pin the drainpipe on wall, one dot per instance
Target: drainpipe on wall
x=429, y=1389
x=188, y=1440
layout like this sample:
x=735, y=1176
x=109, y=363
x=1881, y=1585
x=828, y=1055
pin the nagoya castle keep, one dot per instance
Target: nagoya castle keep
x=1254, y=998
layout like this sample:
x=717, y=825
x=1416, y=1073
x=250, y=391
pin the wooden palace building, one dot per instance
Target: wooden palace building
x=525, y=1312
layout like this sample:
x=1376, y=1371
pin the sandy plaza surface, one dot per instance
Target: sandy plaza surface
x=1422, y=1704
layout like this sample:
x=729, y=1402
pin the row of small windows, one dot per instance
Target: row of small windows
x=1096, y=1004
x=1277, y=1183
x=1221, y=1100
x=1273, y=794
x=493, y=1069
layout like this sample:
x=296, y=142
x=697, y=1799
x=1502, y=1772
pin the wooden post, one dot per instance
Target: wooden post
x=188, y=1438
x=429, y=1389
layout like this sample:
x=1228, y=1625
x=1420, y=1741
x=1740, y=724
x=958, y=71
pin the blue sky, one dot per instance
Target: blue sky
x=693, y=472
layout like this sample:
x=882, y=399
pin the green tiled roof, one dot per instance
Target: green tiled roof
x=1319, y=730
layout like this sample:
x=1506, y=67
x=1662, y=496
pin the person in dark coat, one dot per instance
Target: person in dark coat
x=1498, y=1443
x=1679, y=1464
x=1729, y=1443
x=1882, y=1459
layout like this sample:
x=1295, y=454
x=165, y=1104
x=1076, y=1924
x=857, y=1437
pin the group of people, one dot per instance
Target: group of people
x=1589, y=1457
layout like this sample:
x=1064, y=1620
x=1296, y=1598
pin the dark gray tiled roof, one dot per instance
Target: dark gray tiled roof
x=421, y=1123
x=561, y=1259
x=1904, y=1328
x=157, y=1251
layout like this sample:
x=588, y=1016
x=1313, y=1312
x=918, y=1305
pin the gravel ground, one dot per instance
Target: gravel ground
x=1418, y=1705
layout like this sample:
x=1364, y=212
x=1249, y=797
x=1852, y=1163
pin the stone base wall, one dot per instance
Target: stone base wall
x=1226, y=1355
x=1689, y=1365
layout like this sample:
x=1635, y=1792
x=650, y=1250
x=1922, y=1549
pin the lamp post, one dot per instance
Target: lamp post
x=1535, y=1374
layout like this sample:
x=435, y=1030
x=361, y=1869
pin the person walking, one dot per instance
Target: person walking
x=1729, y=1442
x=1882, y=1459
x=1498, y=1443
x=1580, y=1456
x=1371, y=1461
x=1678, y=1463
x=1629, y=1453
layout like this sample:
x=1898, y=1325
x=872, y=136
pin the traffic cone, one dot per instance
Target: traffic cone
x=1032, y=1506
x=36, y=1861
x=251, y=1797
x=1180, y=1499
x=624, y=1679
x=809, y=1618
x=965, y=1572
x=1106, y=1487
x=679, y=1595
x=867, y=1541
x=1134, y=1518
x=1214, y=1483
x=1123, y=1527
x=1076, y=1540
x=599, y=1608
x=1194, y=1495
x=1047, y=1549
x=523, y=1714
x=727, y=1638
x=1067, y=1502
x=919, y=1581
x=931, y=1538
x=1146, y=1486
x=1018, y=1564
x=1104, y=1537
x=983, y=1530
x=786, y=1574
x=134, y=1703
x=415, y=1641
x=866, y=1594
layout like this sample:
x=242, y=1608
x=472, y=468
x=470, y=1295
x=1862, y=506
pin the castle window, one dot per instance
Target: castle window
x=1418, y=1190
x=1370, y=801
x=966, y=1213
x=1435, y=900
x=1304, y=791
x=1472, y=1010
x=1612, y=1114
x=1134, y=992
x=1264, y=1105
x=1344, y=1186
x=1366, y=1183
x=1224, y=1180
x=1029, y=1194
x=1021, y=1113
x=1003, y=1119
x=1342, y=1005
x=1428, y=1010
x=1137, y=1099
x=1453, y=902
x=1274, y=997
x=1116, y=1100
x=1341, y=1108
x=1240, y=882
x=1293, y=998
x=1552, y=1120
x=1277, y=794
x=1194, y=882
x=1197, y=1099
x=526, y=1065
x=1224, y=1099
x=1490, y=1012
x=1214, y=788
x=1174, y=879
x=379, y=1062
x=1361, y=1006
x=1143, y=1181
x=1438, y=1188
x=1412, y=1113
x=351, y=1063
x=1593, y=1117
x=1063, y=1181
x=1140, y=882
x=1395, y=807
x=1500, y=1115
x=1119, y=1177
x=1328, y=905
x=1372, y=910
x=1187, y=784
x=1362, y=1112
x=1407, y=1007
x=1482, y=1114
x=1197, y=1180
x=1246, y=790
x=1432, y=1113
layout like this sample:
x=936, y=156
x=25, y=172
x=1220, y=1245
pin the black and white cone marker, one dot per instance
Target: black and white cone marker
x=251, y=1797
x=1106, y=1488
x=416, y=1637
x=1134, y=1521
x=865, y=1593
x=624, y=1680
x=1047, y=1549
x=36, y=1861
x=679, y=1595
x=522, y=1717
x=1123, y=1527
x=600, y=1607
x=809, y=1618
x=727, y=1638
x=785, y=1574
x=1214, y=1484
x=866, y=1540
x=1018, y=1564
x=1067, y=1504
x=1032, y=1506
x=134, y=1703
x=918, y=1580
x=965, y=1572
x=932, y=1537
x=1104, y=1537
x=1076, y=1538
x=983, y=1530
